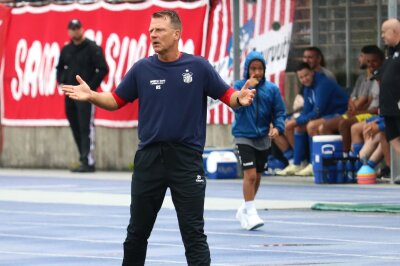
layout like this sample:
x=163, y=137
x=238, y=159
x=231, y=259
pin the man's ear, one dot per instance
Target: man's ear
x=177, y=34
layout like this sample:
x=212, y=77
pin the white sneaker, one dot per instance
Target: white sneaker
x=289, y=170
x=241, y=216
x=306, y=171
x=253, y=222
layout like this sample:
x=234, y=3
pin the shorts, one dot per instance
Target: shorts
x=250, y=157
x=329, y=116
x=392, y=127
x=359, y=117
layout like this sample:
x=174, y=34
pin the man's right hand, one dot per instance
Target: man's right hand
x=81, y=92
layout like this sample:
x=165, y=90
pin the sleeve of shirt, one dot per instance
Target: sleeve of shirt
x=100, y=65
x=226, y=98
x=354, y=92
x=120, y=102
x=127, y=90
x=60, y=67
x=310, y=111
x=215, y=86
x=279, y=111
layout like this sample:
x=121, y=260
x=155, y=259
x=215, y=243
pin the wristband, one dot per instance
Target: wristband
x=238, y=102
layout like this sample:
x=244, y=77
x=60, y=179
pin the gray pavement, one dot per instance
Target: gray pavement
x=53, y=217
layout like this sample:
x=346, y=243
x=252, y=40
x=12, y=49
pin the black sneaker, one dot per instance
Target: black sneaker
x=397, y=180
x=385, y=173
x=84, y=169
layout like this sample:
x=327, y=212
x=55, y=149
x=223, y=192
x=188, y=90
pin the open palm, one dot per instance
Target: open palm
x=81, y=92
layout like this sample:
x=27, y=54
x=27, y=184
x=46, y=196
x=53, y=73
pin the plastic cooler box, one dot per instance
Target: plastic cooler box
x=326, y=150
x=221, y=165
x=206, y=153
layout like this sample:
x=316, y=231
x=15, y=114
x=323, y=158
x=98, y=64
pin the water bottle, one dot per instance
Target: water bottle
x=350, y=178
x=357, y=165
x=340, y=172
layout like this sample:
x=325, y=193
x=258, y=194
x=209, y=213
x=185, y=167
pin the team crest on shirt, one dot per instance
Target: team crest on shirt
x=187, y=76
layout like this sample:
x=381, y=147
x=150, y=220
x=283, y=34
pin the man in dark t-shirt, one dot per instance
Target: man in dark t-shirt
x=388, y=75
x=172, y=88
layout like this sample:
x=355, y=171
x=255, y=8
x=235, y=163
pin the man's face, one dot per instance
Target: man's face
x=362, y=62
x=76, y=34
x=162, y=35
x=373, y=62
x=389, y=36
x=312, y=59
x=305, y=76
x=256, y=70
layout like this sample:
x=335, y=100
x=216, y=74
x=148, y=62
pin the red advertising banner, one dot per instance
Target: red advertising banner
x=36, y=35
x=5, y=13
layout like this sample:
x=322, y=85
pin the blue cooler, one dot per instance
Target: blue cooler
x=222, y=165
x=326, y=150
x=206, y=153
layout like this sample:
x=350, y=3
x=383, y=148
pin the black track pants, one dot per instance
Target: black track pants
x=156, y=168
x=80, y=116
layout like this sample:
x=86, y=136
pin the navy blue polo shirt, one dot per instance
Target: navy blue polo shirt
x=172, y=98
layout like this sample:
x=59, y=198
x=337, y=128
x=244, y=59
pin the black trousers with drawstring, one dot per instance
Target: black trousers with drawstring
x=157, y=167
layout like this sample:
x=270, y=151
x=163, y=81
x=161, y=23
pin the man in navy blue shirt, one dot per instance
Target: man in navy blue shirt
x=172, y=87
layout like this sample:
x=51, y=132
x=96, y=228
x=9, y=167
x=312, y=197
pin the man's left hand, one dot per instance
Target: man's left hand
x=246, y=95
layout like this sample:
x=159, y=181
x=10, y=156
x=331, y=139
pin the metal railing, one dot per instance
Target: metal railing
x=394, y=164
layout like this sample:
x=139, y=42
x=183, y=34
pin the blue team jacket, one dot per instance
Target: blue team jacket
x=323, y=98
x=253, y=121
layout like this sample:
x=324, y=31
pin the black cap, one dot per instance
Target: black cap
x=74, y=24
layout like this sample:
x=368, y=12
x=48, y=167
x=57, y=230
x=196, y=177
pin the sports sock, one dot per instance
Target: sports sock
x=300, y=143
x=356, y=149
x=250, y=207
x=288, y=154
x=371, y=163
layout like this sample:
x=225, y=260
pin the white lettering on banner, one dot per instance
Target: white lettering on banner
x=35, y=68
x=277, y=52
x=120, y=56
x=95, y=36
x=275, y=47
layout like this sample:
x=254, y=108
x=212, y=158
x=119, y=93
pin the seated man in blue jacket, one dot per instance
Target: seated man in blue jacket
x=323, y=99
x=252, y=129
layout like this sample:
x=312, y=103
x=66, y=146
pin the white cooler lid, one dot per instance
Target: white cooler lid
x=216, y=157
x=325, y=138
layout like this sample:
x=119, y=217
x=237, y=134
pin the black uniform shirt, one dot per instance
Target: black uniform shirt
x=389, y=76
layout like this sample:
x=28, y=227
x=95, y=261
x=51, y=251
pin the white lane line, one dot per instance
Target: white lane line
x=65, y=214
x=336, y=225
x=252, y=249
x=32, y=187
x=109, y=199
x=208, y=232
x=82, y=256
x=209, y=219
x=42, y=254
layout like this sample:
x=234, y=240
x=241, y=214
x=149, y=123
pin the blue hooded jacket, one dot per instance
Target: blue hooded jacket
x=323, y=98
x=253, y=121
